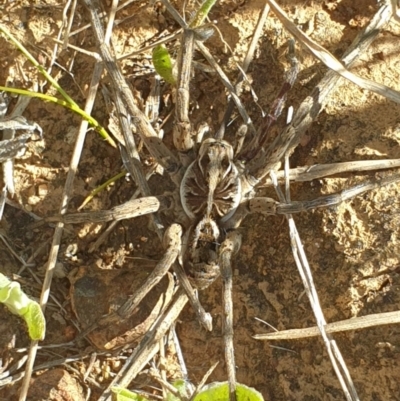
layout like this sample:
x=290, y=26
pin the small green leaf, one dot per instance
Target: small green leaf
x=36, y=322
x=17, y=302
x=5, y=289
x=219, y=392
x=163, y=63
x=21, y=305
x=4, y=281
x=182, y=387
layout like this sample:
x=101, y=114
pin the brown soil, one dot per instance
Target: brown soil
x=353, y=249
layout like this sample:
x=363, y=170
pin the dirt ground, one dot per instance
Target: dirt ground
x=353, y=249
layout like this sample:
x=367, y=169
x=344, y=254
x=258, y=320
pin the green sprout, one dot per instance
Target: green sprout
x=202, y=13
x=162, y=61
x=20, y=304
x=122, y=394
x=68, y=102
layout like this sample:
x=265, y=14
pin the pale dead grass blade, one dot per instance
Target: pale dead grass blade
x=300, y=257
x=102, y=15
x=148, y=347
x=356, y=323
x=317, y=171
x=203, y=381
x=223, y=77
x=158, y=377
x=244, y=67
x=59, y=230
x=163, y=372
x=330, y=60
x=179, y=353
x=66, y=196
x=64, y=24
x=309, y=109
x=68, y=24
x=165, y=39
x=396, y=10
x=78, y=49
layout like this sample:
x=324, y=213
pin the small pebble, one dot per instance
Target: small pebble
x=43, y=190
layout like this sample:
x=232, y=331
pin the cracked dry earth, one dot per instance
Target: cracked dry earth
x=353, y=249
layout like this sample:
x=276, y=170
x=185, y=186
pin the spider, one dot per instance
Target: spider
x=216, y=182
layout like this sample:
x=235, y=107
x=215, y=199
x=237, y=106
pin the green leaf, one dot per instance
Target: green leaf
x=219, y=392
x=163, y=63
x=21, y=305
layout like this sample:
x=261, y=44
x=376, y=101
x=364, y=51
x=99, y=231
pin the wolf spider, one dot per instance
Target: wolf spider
x=217, y=181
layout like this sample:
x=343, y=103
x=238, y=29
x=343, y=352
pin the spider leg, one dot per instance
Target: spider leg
x=173, y=244
x=270, y=206
x=242, y=72
x=183, y=139
x=240, y=136
x=335, y=199
x=130, y=209
x=183, y=134
x=228, y=248
x=251, y=150
x=172, y=241
x=317, y=171
x=13, y=146
x=204, y=318
x=151, y=140
x=309, y=109
x=224, y=79
x=149, y=345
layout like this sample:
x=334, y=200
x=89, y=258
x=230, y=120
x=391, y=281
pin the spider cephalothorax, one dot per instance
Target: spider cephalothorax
x=211, y=185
